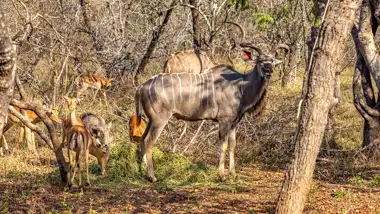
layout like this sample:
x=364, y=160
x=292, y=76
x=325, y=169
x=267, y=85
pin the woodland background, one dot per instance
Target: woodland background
x=111, y=38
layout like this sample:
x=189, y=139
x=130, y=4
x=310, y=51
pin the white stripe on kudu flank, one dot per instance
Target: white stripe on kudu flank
x=206, y=85
x=150, y=86
x=195, y=86
x=171, y=77
x=201, y=94
x=191, y=83
x=213, y=88
x=180, y=87
x=163, y=89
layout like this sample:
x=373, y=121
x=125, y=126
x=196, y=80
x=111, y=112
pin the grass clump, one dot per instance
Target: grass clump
x=171, y=169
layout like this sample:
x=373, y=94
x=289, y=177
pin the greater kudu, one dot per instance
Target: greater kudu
x=188, y=61
x=222, y=95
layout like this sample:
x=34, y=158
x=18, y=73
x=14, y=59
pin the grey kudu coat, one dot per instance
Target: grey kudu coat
x=221, y=94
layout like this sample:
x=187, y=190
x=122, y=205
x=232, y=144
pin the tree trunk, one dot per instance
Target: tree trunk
x=7, y=71
x=196, y=24
x=291, y=68
x=155, y=38
x=368, y=62
x=318, y=100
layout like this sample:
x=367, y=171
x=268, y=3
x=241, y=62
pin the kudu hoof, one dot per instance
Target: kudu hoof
x=153, y=179
x=222, y=178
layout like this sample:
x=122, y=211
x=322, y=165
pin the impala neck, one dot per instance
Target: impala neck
x=73, y=118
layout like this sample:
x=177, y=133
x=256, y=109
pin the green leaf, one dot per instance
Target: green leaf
x=318, y=22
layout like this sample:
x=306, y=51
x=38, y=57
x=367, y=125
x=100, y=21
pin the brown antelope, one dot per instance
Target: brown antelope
x=101, y=140
x=95, y=82
x=79, y=140
x=12, y=120
x=222, y=95
x=137, y=127
x=188, y=61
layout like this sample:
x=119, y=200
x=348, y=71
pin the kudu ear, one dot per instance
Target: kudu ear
x=109, y=125
x=276, y=62
x=247, y=55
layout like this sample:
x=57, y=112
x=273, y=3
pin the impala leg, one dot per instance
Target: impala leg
x=232, y=146
x=20, y=137
x=86, y=165
x=223, y=134
x=93, y=99
x=4, y=146
x=152, y=135
x=79, y=157
x=70, y=174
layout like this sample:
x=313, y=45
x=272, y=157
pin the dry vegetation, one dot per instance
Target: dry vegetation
x=55, y=56
x=188, y=182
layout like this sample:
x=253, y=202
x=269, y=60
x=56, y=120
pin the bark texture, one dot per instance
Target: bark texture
x=318, y=100
x=7, y=71
x=367, y=63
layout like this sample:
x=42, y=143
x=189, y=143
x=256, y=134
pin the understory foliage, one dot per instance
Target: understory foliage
x=112, y=42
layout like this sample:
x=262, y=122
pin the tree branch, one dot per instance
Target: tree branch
x=31, y=126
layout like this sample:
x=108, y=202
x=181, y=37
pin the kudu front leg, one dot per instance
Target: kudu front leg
x=223, y=133
x=232, y=146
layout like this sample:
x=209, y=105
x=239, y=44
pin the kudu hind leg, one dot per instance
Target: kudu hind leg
x=152, y=135
x=142, y=143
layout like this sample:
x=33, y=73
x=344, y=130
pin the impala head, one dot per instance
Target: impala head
x=72, y=102
x=264, y=62
x=53, y=115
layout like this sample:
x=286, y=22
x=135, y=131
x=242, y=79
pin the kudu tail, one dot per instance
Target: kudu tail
x=138, y=107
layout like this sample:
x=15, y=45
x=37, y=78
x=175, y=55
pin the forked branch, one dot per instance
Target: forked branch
x=31, y=126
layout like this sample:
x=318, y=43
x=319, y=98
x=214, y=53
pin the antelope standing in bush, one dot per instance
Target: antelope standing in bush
x=222, y=95
x=100, y=133
x=95, y=82
x=79, y=140
x=12, y=120
x=188, y=61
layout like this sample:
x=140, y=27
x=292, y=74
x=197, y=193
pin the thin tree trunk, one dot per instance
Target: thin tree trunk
x=367, y=66
x=153, y=43
x=7, y=71
x=318, y=100
x=291, y=68
x=196, y=24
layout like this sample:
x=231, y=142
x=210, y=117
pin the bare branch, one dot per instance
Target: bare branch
x=31, y=126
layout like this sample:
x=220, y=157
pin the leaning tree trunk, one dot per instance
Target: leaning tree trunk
x=368, y=61
x=318, y=100
x=156, y=34
x=7, y=71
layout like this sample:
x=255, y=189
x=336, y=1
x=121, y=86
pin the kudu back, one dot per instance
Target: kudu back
x=188, y=61
x=222, y=95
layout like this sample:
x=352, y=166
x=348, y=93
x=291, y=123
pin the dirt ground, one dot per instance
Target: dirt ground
x=255, y=192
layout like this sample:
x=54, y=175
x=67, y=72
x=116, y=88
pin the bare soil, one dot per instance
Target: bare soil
x=255, y=191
